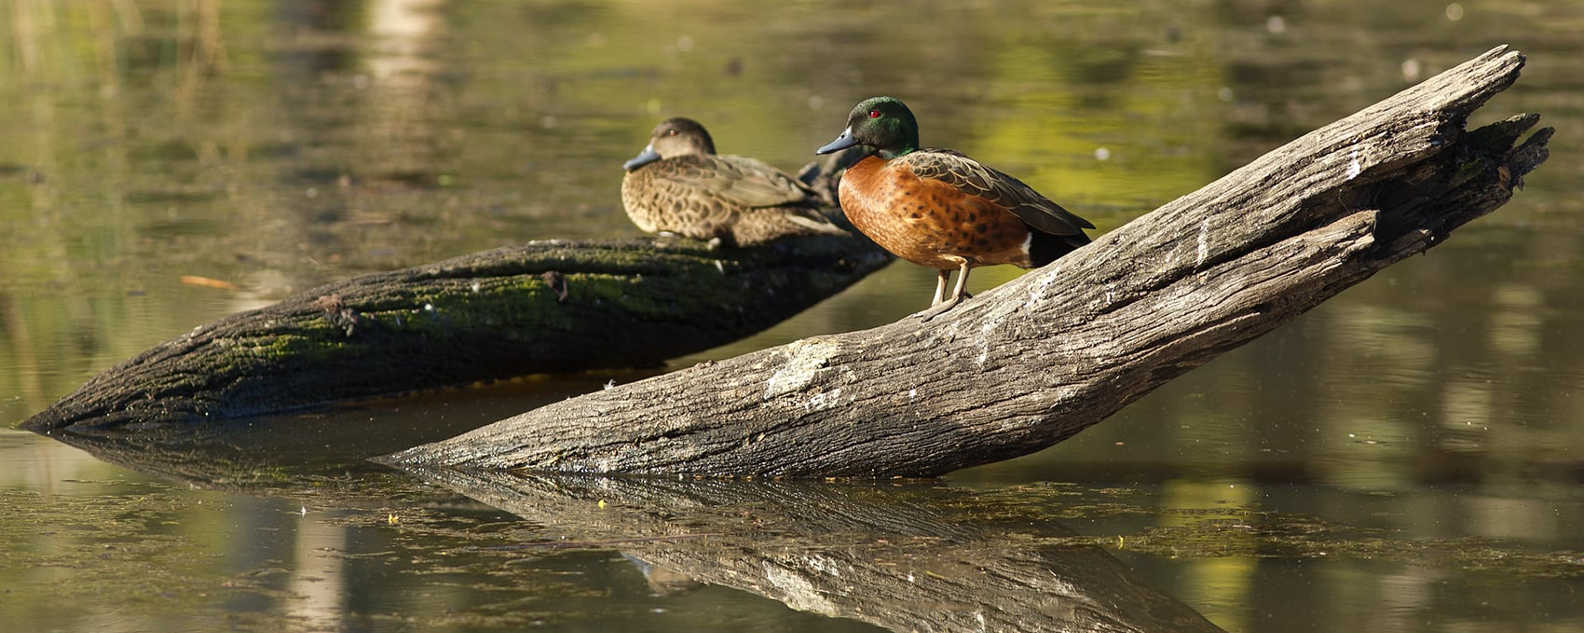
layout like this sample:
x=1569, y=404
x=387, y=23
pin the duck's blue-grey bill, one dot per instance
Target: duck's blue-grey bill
x=842, y=142
x=643, y=158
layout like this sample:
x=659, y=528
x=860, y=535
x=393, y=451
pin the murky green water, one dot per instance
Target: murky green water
x=1407, y=457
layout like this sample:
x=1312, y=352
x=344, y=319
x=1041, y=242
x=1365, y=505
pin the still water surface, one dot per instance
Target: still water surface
x=1407, y=457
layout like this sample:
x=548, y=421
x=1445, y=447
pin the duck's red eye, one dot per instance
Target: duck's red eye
x=874, y=114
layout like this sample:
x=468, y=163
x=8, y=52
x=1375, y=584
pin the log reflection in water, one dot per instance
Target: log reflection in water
x=259, y=456
x=888, y=555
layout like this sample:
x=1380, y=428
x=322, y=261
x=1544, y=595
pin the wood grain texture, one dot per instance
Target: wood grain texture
x=1038, y=359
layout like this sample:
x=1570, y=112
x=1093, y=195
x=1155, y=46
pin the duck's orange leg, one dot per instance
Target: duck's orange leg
x=940, y=287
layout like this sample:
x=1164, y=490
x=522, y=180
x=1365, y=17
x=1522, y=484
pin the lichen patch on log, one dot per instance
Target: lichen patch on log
x=806, y=357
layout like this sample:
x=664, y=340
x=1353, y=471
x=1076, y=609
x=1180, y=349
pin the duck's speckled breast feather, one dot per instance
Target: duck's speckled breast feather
x=928, y=221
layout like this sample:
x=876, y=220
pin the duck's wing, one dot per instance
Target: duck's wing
x=765, y=187
x=971, y=177
x=760, y=185
x=736, y=181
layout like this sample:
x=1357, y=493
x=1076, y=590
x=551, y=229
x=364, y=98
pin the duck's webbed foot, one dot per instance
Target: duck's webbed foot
x=938, y=309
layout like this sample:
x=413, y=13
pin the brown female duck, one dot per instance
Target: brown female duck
x=679, y=185
x=939, y=208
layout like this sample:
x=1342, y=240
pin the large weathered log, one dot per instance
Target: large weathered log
x=888, y=555
x=1038, y=359
x=550, y=306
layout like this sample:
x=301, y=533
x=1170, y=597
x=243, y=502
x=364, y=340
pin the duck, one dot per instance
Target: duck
x=941, y=209
x=678, y=185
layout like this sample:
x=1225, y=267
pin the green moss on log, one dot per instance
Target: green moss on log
x=541, y=307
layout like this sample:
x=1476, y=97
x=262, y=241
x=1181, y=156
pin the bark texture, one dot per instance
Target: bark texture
x=890, y=556
x=1036, y=360
x=552, y=306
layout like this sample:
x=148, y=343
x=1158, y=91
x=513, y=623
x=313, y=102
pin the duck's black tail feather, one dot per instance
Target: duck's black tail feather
x=1044, y=248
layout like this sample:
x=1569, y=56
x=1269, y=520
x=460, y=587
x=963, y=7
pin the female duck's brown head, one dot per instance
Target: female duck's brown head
x=678, y=136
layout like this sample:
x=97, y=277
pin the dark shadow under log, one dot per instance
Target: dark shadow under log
x=887, y=555
x=1038, y=359
x=552, y=306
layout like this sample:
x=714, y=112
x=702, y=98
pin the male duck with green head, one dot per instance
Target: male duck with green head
x=941, y=209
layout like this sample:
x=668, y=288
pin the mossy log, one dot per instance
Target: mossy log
x=892, y=556
x=549, y=306
x=1032, y=362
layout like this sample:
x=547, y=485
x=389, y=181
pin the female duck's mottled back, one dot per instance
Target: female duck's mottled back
x=679, y=185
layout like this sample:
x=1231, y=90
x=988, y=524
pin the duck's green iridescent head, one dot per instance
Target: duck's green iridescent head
x=883, y=124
